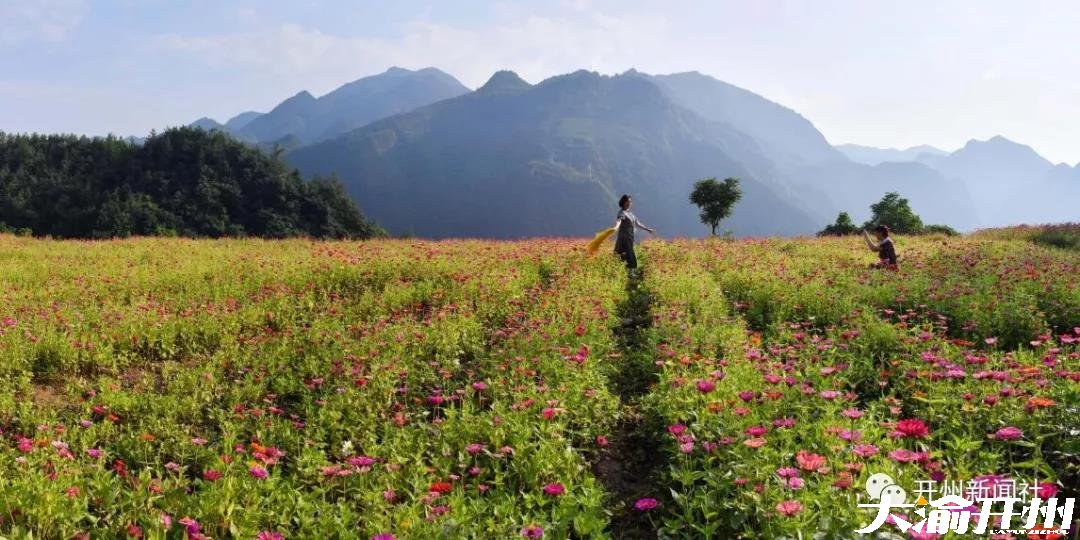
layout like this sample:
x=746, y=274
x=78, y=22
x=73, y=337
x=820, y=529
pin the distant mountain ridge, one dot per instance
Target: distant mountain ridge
x=784, y=134
x=1008, y=182
x=871, y=155
x=307, y=119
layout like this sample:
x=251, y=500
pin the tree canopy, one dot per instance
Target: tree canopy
x=715, y=199
x=184, y=181
x=895, y=212
x=843, y=226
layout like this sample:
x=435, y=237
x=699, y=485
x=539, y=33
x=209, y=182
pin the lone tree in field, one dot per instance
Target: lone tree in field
x=893, y=210
x=715, y=199
x=843, y=226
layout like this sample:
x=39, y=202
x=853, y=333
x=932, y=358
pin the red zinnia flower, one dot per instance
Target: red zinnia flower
x=912, y=427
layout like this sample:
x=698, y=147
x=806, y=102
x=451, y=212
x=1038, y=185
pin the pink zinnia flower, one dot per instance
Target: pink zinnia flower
x=474, y=448
x=548, y=413
x=382, y=536
x=1009, y=433
x=269, y=535
x=210, y=475
x=756, y=442
x=865, y=450
x=784, y=422
x=554, y=489
x=676, y=429
x=362, y=461
x=902, y=455
x=93, y=453
x=852, y=413
x=1047, y=490
x=645, y=504
x=706, y=386
x=26, y=445
x=190, y=525
x=789, y=508
x=756, y=431
x=810, y=461
x=258, y=472
x=532, y=531
x=787, y=472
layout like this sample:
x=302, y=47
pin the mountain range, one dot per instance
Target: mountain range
x=303, y=118
x=870, y=155
x=424, y=155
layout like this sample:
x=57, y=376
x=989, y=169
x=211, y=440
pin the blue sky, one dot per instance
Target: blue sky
x=868, y=72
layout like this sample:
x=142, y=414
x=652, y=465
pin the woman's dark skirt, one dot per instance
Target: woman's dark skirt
x=627, y=255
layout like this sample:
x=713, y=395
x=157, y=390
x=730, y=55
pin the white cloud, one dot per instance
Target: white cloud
x=44, y=20
x=534, y=46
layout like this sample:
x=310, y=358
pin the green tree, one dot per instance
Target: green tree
x=940, y=229
x=895, y=212
x=715, y=199
x=843, y=226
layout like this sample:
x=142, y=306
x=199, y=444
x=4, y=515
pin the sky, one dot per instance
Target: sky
x=889, y=74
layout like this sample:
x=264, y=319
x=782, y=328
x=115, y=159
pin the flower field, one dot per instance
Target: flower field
x=173, y=388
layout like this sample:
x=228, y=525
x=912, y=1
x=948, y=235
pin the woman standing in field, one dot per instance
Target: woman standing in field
x=625, y=223
x=884, y=246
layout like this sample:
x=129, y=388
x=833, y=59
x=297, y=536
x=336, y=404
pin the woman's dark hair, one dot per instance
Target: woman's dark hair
x=883, y=230
x=623, y=200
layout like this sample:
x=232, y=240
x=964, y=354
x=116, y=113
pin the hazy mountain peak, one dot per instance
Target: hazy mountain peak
x=872, y=155
x=504, y=81
x=351, y=105
x=206, y=124
x=239, y=121
x=783, y=133
x=1002, y=148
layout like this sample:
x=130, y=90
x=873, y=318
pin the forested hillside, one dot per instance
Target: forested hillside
x=184, y=181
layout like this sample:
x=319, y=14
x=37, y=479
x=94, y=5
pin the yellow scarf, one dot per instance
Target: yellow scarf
x=594, y=245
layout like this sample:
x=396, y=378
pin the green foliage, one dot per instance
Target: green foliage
x=1065, y=236
x=715, y=199
x=184, y=181
x=895, y=212
x=940, y=229
x=843, y=226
